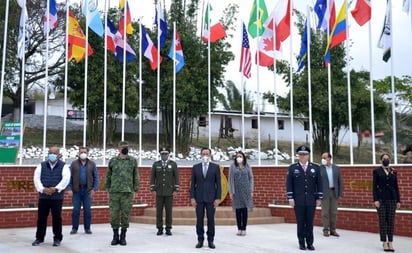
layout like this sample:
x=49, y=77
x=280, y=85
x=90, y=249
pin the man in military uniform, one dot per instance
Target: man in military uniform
x=164, y=181
x=304, y=192
x=122, y=180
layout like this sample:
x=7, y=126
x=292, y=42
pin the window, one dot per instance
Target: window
x=254, y=124
x=75, y=114
x=306, y=125
x=281, y=124
x=202, y=121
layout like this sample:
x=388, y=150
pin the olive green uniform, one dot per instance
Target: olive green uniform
x=122, y=180
x=164, y=180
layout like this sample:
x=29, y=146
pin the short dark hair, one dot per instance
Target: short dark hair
x=83, y=147
x=390, y=157
x=204, y=148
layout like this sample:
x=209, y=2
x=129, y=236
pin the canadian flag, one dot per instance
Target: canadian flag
x=280, y=18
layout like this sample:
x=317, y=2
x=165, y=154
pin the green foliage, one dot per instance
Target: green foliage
x=233, y=99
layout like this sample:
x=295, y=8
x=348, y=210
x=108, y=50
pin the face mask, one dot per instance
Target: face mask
x=205, y=159
x=125, y=151
x=324, y=161
x=385, y=162
x=83, y=156
x=239, y=159
x=164, y=158
x=52, y=157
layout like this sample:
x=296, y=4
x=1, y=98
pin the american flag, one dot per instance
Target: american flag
x=245, y=57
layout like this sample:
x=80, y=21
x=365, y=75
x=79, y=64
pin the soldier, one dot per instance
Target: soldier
x=122, y=180
x=164, y=181
x=304, y=192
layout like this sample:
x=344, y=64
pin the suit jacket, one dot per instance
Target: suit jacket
x=385, y=187
x=205, y=189
x=337, y=181
x=304, y=188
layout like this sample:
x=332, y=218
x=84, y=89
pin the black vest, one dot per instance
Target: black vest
x=51, y=178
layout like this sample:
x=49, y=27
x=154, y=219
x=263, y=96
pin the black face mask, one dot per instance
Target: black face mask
x=385, y=162
x=125, y=151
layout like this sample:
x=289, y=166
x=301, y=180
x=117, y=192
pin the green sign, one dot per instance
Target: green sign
x=9, y=141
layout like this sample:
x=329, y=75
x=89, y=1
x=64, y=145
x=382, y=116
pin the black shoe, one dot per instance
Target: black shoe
x=159, y=232
x=88, y=231
x=56, y=243
x=310, y=247
x=211, y=245
x=74, y=231
x=168, y=232
x=302, y=247
x=37, y=242
x=199, y=244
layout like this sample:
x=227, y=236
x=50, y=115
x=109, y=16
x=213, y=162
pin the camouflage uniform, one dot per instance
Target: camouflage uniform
x=122, y=180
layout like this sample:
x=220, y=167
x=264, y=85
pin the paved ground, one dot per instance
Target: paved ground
x=142, y=238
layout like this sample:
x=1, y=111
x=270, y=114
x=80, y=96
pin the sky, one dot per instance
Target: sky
x=359, y=36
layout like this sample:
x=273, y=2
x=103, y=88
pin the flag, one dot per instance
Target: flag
x=129, y=27
x=325, y=11
x=50, y=18
x=93, y=17
x=257, y=19
x=338, y=32
x=149, y=50
x=303, y=53
x=385, y=38
x=406, y=5
x=163, y=25
x=216, y=31
x=176, y=53
x=362, y=12
x=245, y=55
x=115, y=43
x=21, y=46
x=77, y=40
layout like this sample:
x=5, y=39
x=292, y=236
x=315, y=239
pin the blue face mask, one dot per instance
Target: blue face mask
x=52, y=157
x=164, y=158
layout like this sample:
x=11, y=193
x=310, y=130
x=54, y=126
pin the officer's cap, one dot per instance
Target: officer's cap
x=303, y=150
x=164, y=150
x=123, y=144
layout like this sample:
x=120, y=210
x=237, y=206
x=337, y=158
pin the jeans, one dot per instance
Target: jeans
x=82, y=197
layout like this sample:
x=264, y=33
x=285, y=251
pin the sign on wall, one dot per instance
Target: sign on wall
x=9, y=141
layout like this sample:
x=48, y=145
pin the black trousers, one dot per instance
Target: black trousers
x=304, y=219
x=386, y=214
x=164, y=202
x=241, y=218
x=200, y=215
x=44, y=207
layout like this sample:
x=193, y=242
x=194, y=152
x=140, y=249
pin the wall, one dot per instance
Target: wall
x=17, y=191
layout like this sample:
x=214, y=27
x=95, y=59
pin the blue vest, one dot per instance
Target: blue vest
x=50, y=178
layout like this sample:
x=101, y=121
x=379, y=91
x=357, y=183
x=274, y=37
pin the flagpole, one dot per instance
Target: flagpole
x=23, y=63
x=66, y=71
x=275, y=118
x=348, y=85
x=124, y=67
x=257, y=83
x=209, y=77
x=106, y=6
x=242, y=86
x=86, y=62
x=292, y=127
x=158, y=85
x=140, y=95
x=174, y=89
x=308, y=39
x=329, y=83
x=3, y=61
x=46, y=80
x=372, y=102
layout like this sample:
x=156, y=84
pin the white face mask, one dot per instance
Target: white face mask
x=324, y=162
x=205, y=159
x=239, y=159
x=83, y=156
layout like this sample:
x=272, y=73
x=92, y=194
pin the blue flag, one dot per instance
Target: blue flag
x=163, y=25
x=93, y=17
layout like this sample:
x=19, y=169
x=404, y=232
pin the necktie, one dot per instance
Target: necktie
x=204, y=170
x=304, y=167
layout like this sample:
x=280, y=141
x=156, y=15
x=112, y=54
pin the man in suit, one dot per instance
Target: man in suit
x=332, y=190
x=205, y=193
x=304, y=192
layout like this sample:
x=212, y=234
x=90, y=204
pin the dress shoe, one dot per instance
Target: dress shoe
x=168, y=232
x=159, y=232
x=310, y=247
x=88, y=231
x=211, y=245
x=74, y=231
x=302, y=247
x=239, y=232
x=326, y=233
x=199, y=244
x=243, y=232
x=390, y=247
x=56, y=243
x=37, y=242
x=333, y=233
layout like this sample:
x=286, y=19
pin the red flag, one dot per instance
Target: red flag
x=216, y=31
x=77, y=40
x=245, y=56
x=362, y=12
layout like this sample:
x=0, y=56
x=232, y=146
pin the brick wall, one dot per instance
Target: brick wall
x=17, y=190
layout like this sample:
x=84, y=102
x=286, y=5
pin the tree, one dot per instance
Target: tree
x=319, y=79
x=233, y=99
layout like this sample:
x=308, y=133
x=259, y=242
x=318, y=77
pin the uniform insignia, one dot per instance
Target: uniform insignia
x=312, y=170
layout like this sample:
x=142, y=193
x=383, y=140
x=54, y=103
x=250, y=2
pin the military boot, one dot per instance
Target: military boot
x=115, y=240
x=123, y=237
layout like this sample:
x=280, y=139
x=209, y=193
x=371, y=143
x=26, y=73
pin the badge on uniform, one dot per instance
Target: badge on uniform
x=312, y=170
x=296, y=171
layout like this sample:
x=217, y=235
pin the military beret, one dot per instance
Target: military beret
x=123, y=144
x=164, y=150
x=303, y=150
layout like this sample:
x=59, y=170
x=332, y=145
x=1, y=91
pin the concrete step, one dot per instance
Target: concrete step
x=224, y=216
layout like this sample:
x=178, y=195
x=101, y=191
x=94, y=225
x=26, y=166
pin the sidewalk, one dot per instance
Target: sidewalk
x=142, y=238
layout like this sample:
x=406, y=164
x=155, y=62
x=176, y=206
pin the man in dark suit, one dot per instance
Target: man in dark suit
x=304, y=192
x=205, y=193
x=332, y=190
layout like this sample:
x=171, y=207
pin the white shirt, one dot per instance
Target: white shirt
x=60, y=186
